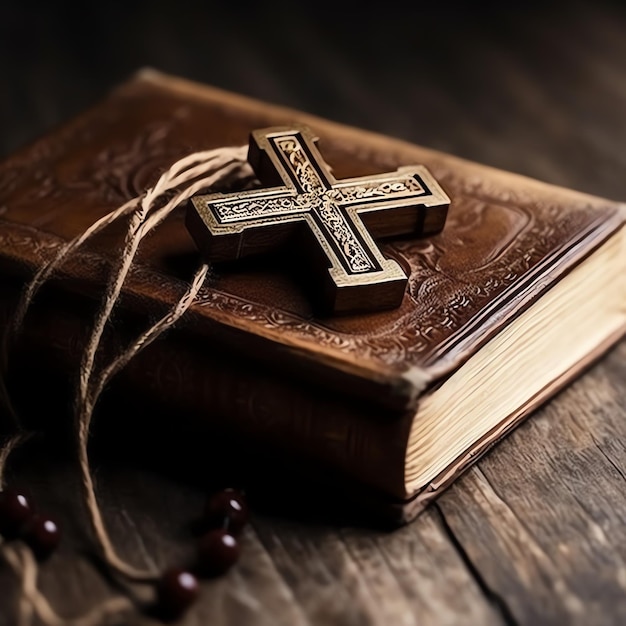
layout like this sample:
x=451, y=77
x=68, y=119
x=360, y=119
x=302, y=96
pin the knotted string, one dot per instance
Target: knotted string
x=184, y=178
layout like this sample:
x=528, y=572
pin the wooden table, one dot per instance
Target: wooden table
x=536, y=532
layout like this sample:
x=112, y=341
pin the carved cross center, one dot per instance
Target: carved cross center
x=341, y=217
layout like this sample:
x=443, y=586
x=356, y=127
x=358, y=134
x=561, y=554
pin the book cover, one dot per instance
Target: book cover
x=345, y=393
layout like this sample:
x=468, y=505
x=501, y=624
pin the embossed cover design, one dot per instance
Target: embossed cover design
x=507, y=240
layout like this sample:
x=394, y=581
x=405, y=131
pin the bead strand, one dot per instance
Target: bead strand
x=19, y=520
x=225, y=516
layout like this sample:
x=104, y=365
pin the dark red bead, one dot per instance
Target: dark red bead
x=218, y=551
x=227, y=508
x=176, y=592
x=42, y=535
x=15, y=511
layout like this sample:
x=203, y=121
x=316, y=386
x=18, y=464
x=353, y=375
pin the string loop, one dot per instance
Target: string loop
x=186, y=177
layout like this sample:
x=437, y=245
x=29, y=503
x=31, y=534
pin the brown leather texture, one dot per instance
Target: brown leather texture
x=359, y=378
x=503, y=233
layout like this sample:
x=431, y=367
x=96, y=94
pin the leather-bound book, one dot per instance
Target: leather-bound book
x=522, y=289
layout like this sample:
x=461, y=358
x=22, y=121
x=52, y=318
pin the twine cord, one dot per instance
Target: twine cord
x=23, y=563
x=185, y=178
x=10, y=444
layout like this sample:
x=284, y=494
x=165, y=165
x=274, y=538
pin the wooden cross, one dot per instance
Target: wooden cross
x=341, y=218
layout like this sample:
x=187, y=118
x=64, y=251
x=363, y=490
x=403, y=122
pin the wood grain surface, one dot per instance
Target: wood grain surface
x=536, y=532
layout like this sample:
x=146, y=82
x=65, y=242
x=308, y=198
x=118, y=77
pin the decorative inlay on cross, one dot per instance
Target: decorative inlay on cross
x=340, y=219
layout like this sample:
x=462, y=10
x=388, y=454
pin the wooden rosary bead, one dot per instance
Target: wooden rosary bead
x=42, y=535
x=218, y=551
x=176, y=592
x=15, y=511
x=228, y=506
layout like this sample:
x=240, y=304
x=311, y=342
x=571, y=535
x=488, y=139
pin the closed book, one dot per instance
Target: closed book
x=521, y=290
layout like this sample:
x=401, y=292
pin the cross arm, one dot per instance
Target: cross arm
x=233, y=226
x=419, y=204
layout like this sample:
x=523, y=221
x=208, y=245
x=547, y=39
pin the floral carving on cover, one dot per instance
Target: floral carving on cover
x=497, y=239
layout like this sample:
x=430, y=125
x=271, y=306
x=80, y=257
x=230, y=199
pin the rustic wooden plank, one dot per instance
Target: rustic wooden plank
x=542, y=520
x=290, y=573
x=437, y=586
x=355, y=576
x=149, y=519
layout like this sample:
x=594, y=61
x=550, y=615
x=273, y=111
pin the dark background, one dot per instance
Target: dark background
x=535, y=87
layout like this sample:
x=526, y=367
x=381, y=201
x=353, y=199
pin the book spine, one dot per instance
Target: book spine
x=212, y=389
